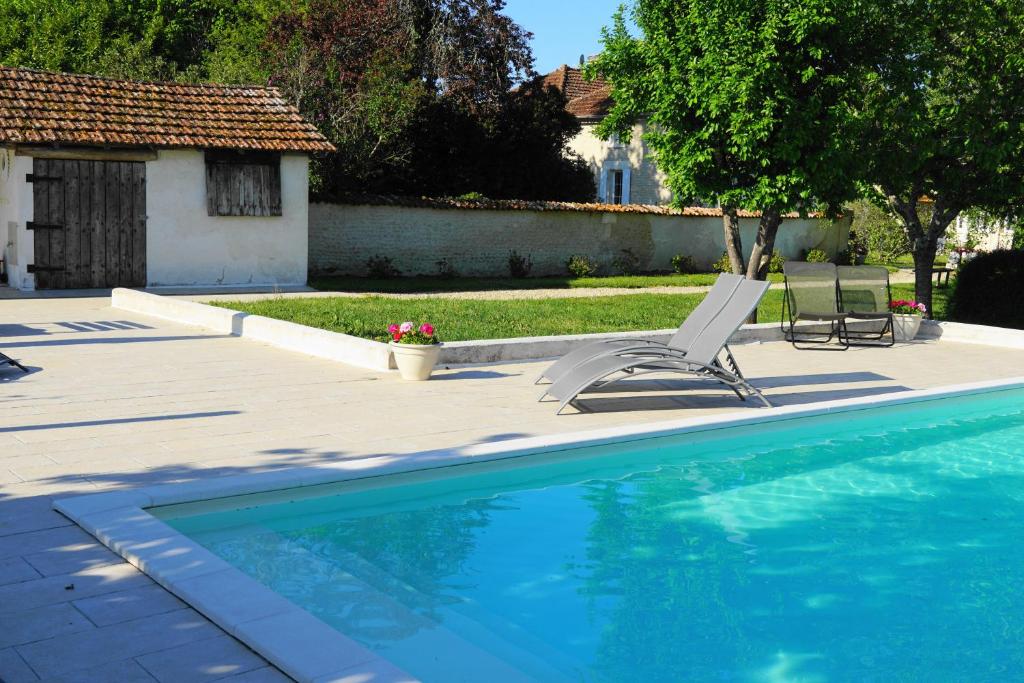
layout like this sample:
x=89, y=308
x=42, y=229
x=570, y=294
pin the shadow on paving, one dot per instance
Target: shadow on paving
x=118, y=420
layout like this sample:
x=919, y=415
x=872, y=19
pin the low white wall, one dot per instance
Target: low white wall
x=185, y=246
x=373, y=355
x=312, y=341
x=478, y=241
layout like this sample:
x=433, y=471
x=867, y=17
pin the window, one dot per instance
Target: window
x=615, y=186
x=243, y=183
x=613, y=183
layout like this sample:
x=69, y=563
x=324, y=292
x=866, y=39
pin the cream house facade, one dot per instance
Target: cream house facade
x=624, y=172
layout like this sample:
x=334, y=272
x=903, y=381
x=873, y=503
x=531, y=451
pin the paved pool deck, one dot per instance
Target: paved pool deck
x=115, y=400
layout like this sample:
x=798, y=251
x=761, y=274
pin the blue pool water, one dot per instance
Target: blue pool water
x=876, y=545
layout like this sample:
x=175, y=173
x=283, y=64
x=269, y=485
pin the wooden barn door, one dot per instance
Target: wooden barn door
x=89, y=223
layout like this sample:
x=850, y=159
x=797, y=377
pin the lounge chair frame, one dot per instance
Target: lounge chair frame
x=725, y=286
x=7, y=360
x=703, y=361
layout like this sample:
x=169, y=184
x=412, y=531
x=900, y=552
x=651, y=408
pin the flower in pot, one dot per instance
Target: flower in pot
x=906, y=318
x=415, y=348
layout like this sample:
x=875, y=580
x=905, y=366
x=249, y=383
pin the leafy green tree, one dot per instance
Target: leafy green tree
x=418, y=97
x=150, y=39
x=943, y=117
x=881, y=231
x=747, y=101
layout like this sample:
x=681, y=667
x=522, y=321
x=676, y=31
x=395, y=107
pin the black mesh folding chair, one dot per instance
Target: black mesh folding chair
x=864, y=297
x=811, y=305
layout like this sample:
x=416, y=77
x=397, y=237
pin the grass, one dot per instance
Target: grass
x=458, y=320
x=905, y=261
x=410, y=285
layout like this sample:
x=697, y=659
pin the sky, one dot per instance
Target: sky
x=562, y=29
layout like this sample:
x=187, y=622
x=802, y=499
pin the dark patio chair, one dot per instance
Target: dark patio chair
x=811, y=305
x=864, y=297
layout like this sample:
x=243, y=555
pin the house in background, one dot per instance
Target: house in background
x=623, y=173
x=115, y=183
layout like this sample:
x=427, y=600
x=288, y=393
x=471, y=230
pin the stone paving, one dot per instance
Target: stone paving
x=115, y=400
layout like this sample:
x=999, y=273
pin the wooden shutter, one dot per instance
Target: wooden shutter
x=243, y=183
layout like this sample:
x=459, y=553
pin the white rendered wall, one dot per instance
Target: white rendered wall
x=15, y=211
x=185, y=246
x=478, y=241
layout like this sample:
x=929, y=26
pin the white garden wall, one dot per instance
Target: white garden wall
x=477, y=241
x=185, y=246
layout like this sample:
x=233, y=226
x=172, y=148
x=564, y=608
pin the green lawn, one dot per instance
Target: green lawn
x=470, y=319
x=905, y=261
x=405, y=285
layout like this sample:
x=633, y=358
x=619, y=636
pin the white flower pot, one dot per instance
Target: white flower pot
x=416, y=361
x=906, y=326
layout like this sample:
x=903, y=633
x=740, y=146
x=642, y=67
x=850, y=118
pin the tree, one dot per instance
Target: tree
x=943, y=117
x=149, y=39
x=747, y=102
x=880, y=231
x=418, y=97
x=345, y=65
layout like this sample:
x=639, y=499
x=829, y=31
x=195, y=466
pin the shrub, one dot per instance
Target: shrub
x=445, y=269
x=626, y=263
x=684, y=264
x=519, y=266
x=722, y=265
x=817, y=256
x=989, y=290
x=776, y=262
x=381, y=268
x=878, y=232
x=581, y=265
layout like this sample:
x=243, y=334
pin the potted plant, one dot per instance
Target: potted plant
x=906, y=318
x=416, y=349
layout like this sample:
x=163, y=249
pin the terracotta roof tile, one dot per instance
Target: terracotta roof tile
x=43, y=107
x=586, y=99
x=526, y=205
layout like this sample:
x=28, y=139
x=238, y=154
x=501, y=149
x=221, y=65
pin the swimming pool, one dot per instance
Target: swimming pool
x=880, y=544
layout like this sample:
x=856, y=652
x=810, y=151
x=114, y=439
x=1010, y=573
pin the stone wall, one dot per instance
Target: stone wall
x=477, y=241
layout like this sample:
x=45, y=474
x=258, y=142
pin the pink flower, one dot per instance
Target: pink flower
x=392, y=328
x=427, y=329
x=405, y=327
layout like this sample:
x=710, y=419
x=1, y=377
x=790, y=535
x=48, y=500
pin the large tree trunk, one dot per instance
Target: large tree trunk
x=764, y=244
x=923, y=241
x=761, y=252
x=733, y=241
x=924, y=259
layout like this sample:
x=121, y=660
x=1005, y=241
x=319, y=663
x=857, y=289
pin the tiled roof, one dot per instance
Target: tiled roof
x=525, y=205
x=586, y=99
x=39, y=107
